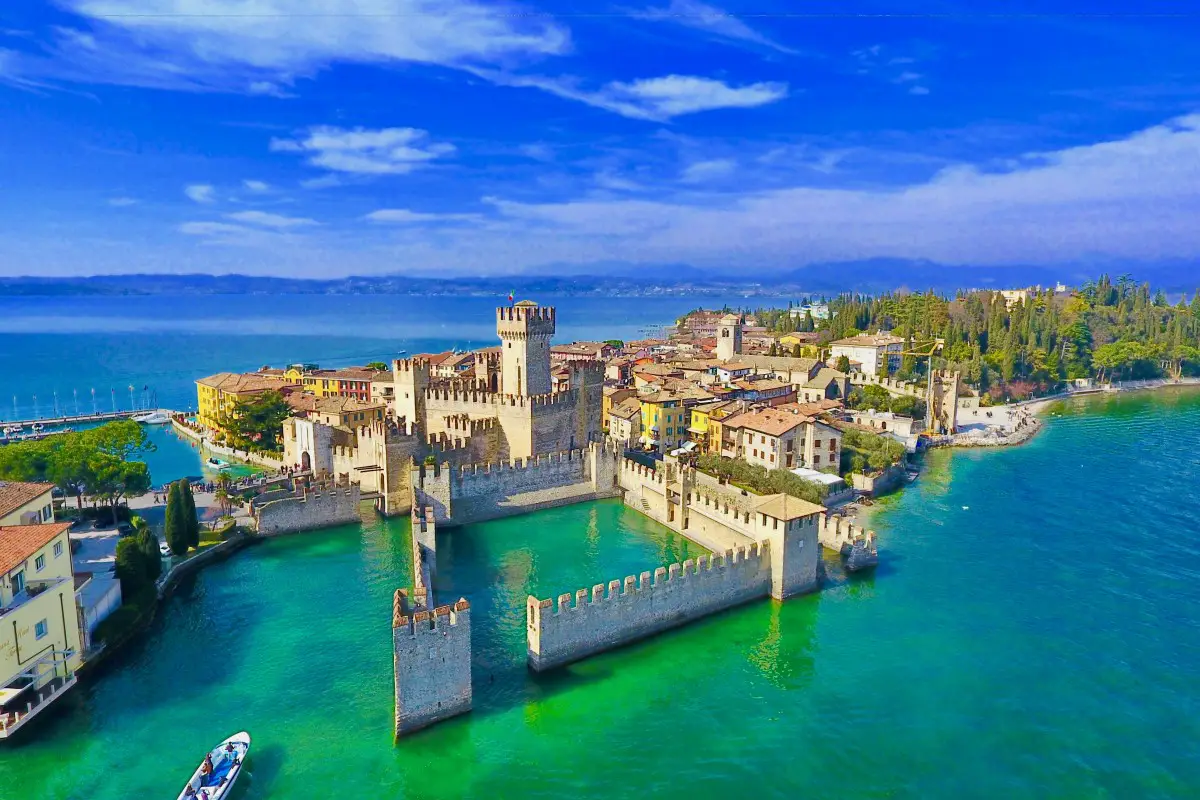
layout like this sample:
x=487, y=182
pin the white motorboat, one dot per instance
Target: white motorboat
x=216, y=463
x=214, y=778
x=153, y=418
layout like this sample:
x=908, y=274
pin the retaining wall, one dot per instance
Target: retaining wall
x=637, y=608
x=310, y=511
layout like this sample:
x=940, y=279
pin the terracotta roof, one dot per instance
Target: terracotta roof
x=239, y=383
x=824, y=377
x=579, y=348
x=870, y=340
x=764, y=385
x=786, y=507
x=812, y=409
x=341, y=405
x=734, y=366
x=19, y=542
x=626, y=409
x=14, y=494
x=771, y=421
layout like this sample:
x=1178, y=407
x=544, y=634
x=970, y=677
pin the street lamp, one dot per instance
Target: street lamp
x=131, y=404
x=36, y=413
x=94, y=409
x=56, y=414
x=113, y=392
x=75, y=394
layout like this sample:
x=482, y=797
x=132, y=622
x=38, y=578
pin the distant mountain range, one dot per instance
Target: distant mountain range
x=624, y=279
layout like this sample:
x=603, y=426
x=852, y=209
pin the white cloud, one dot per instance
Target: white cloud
x=1131, y=198
x=121, y=202
x=385, y=151
x=406, y=216
x=703, y=171
x=323, y=182
x=537, y=151
x=200, y=192
x=255, y=47
x=918, y=90
x=268, y=220
x=258, y=187
x=654, y=99
x=697, y=15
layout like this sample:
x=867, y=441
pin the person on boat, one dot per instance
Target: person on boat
x=207, y=767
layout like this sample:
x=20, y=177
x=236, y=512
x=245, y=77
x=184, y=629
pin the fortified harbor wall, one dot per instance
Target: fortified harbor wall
x=431, y=648
x=478, y=492
x=641, y=607
x=307, y=509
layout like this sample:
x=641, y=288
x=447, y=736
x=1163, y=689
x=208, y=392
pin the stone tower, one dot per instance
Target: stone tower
x=525, y=330
x=729, y=337
x=410, y=379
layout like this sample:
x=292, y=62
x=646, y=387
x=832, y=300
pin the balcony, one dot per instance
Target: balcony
x=32, y=589
x=32, y=691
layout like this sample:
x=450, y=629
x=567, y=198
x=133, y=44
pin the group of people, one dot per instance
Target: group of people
x=199, y=787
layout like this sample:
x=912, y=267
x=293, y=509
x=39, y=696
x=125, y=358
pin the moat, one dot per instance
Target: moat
x=974, y=651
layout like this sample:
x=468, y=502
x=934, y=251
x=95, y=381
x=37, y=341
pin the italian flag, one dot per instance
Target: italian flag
x=511, y=295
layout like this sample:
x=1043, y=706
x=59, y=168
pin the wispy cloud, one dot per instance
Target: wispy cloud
x=408, y=217
x=656, y=99
x=365, y=151
x=712, y=20
x=121, y=202
x=705, y=171
x=228, y=45
x=268, y=220
x=258, y=187
x=200, y=192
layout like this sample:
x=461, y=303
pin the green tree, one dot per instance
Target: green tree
x=147, y=543
x=257, y=423
x=130, y=566
x=112, y=479
x=378, y=366
x=191, y=521
x=843, y=364
x=175, y=527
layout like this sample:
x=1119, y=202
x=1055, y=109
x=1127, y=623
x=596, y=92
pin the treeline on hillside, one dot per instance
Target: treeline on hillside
x=98, y=462
x=1108, y=330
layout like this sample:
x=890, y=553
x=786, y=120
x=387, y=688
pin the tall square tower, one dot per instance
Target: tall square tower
x=525, y=330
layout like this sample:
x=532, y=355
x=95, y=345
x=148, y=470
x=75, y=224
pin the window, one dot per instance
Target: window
x=816, y=460
x=817, y=443
x=772, y=459
x=47, y=513
x=40, y=630
x=39, y=563
x=18, y=582
x=58, y=549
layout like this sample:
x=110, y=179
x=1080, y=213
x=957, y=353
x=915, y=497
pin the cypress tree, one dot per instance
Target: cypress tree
x=175, y=528
x=191, y=523
x=148, y=544
x=130, y=567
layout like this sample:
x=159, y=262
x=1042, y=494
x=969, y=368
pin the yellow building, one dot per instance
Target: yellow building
x=348, y=382
x=612, y=397
x=26, y=503
x=664, y=421
x=705, y=425
x=218, y=395
x=808, y=348
x=40, y=640
x=345, y=412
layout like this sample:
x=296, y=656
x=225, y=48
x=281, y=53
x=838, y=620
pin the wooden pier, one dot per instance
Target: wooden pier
x=103, y=416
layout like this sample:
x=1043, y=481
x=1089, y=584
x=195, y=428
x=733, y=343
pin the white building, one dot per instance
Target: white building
x=781, y=439
x=869, y=351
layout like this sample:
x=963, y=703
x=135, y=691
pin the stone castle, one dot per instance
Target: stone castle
x=505, y=407
x=499, y=440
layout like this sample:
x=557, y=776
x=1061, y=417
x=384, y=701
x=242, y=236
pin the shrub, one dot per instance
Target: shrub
x=760, y=479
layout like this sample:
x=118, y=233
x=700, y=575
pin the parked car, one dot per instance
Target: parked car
x=125, y=529
x=164, y=548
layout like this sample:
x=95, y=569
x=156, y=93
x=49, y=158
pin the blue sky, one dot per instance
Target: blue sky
x=438, y=137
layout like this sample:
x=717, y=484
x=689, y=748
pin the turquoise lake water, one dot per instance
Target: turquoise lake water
x=1030, y=633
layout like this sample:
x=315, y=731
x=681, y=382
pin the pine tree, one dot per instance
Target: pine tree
x=130, y=567
x=175, y=527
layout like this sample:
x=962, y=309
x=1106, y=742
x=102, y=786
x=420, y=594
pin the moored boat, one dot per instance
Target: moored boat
x=224, y=764
x=153, y=418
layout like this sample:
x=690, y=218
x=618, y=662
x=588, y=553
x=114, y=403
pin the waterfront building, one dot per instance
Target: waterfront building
x=217, y=396
x=41, y=642
x=870, y=351
x=26, y=503
x=781, y=438
x=582, y=351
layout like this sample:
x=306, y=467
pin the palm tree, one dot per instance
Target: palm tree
x=222, y=494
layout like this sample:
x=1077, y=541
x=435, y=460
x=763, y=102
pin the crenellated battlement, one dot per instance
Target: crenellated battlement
x=607, y=615
x=836, y=532
x=440, y=619
x=648, y=474
x=531, y=318
x=519, y=464
x=411, y=366
x=467, y=397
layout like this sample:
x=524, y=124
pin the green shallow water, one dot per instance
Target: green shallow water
x=1032, y=632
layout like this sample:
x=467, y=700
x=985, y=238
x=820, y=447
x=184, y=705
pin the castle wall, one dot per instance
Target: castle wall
x=309, y=511
x=637, y=608
x=477, y=492
x=432, y=664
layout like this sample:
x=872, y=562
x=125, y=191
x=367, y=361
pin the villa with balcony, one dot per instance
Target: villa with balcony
x=41, y=639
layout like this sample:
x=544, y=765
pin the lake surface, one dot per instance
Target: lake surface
x=58, y=350
x=1032, y=632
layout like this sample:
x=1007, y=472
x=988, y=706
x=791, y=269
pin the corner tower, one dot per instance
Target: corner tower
x=729, y=337
x=525, y=330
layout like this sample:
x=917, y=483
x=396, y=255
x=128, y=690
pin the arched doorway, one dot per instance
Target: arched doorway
x=305, y=461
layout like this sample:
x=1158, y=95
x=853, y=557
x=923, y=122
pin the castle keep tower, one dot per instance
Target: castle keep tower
x=729, y=337
x=525, y=331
